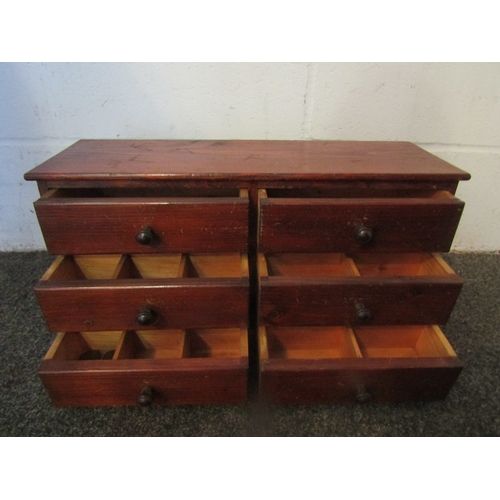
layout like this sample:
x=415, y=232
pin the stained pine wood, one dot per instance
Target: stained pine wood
x=128, y=160
x=201, y=199
x=86, y=225
x=329, y=225
x=325, y=375
x=319, y=301
x=218, y=292
x=295, y=381
x=325, y=291
x=115, y=304
x=119, y=382
x=213, y=368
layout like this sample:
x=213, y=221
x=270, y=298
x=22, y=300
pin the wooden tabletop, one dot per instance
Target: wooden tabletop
x=244, y=160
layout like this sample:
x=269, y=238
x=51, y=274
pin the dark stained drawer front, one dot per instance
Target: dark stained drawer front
x=300, y=365
x=364, y=289
x=123, y=292
x=359, y=224
x=80, y=223
x=205, y=366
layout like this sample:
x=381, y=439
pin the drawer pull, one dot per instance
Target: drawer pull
x=145, y=236
x=362, y=395
x=363, y=234
x=362, y=314
x=146, y=317
x=146, y=397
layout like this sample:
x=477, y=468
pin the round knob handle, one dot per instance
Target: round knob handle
x=362, y=395
x=145, y=236
x=145, y=397
x=362, y=314
x=146, y=317
x=363, y=234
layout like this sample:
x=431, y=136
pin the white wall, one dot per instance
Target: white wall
x=452, y=110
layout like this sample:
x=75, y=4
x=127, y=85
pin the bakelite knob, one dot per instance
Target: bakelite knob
x=363, y=234
x=146, y=317
x=145, y=236
x=362, y=395
x=145, y=397
x=362, y=314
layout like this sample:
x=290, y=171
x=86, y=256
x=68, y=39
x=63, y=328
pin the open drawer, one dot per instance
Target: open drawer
x=356, y=289
x=125, y=292
x=294, y=220
x=86, y=221
x=194, y=366
x=338, y=364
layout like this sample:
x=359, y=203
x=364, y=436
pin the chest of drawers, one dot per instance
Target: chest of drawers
x=186, y=270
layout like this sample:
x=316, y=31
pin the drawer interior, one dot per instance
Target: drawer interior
x=364, y=342
x=84, y=346
x=308, y=343
x=403, y=342
x=149, y=192
x=402, y=264
x=307, y=264
x=147, y=266
x=215, y=343
x=230, y=265
x=362, y=264
x=160, y=344
x=353, y=192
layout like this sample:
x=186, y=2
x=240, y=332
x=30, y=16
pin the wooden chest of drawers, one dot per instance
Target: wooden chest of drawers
x=186, y=270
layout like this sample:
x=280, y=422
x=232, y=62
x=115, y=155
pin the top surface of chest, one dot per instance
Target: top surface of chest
x=260, y=161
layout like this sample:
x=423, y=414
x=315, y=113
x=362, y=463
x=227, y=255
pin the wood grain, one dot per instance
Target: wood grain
x=114, y=304
x=127, y=160
x=201, y=198
x=332, y=301
x=339, y=381
x=329, y=225
x=119, y=382
x=110, y=225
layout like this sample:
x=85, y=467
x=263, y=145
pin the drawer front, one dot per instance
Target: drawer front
x=297, y=383
x=148, y=225
x=322, y=366
x=170, y=375
x=355, y=225
x=120, y=306
x=108, y=292
x=357, y=301
x=336, y=289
